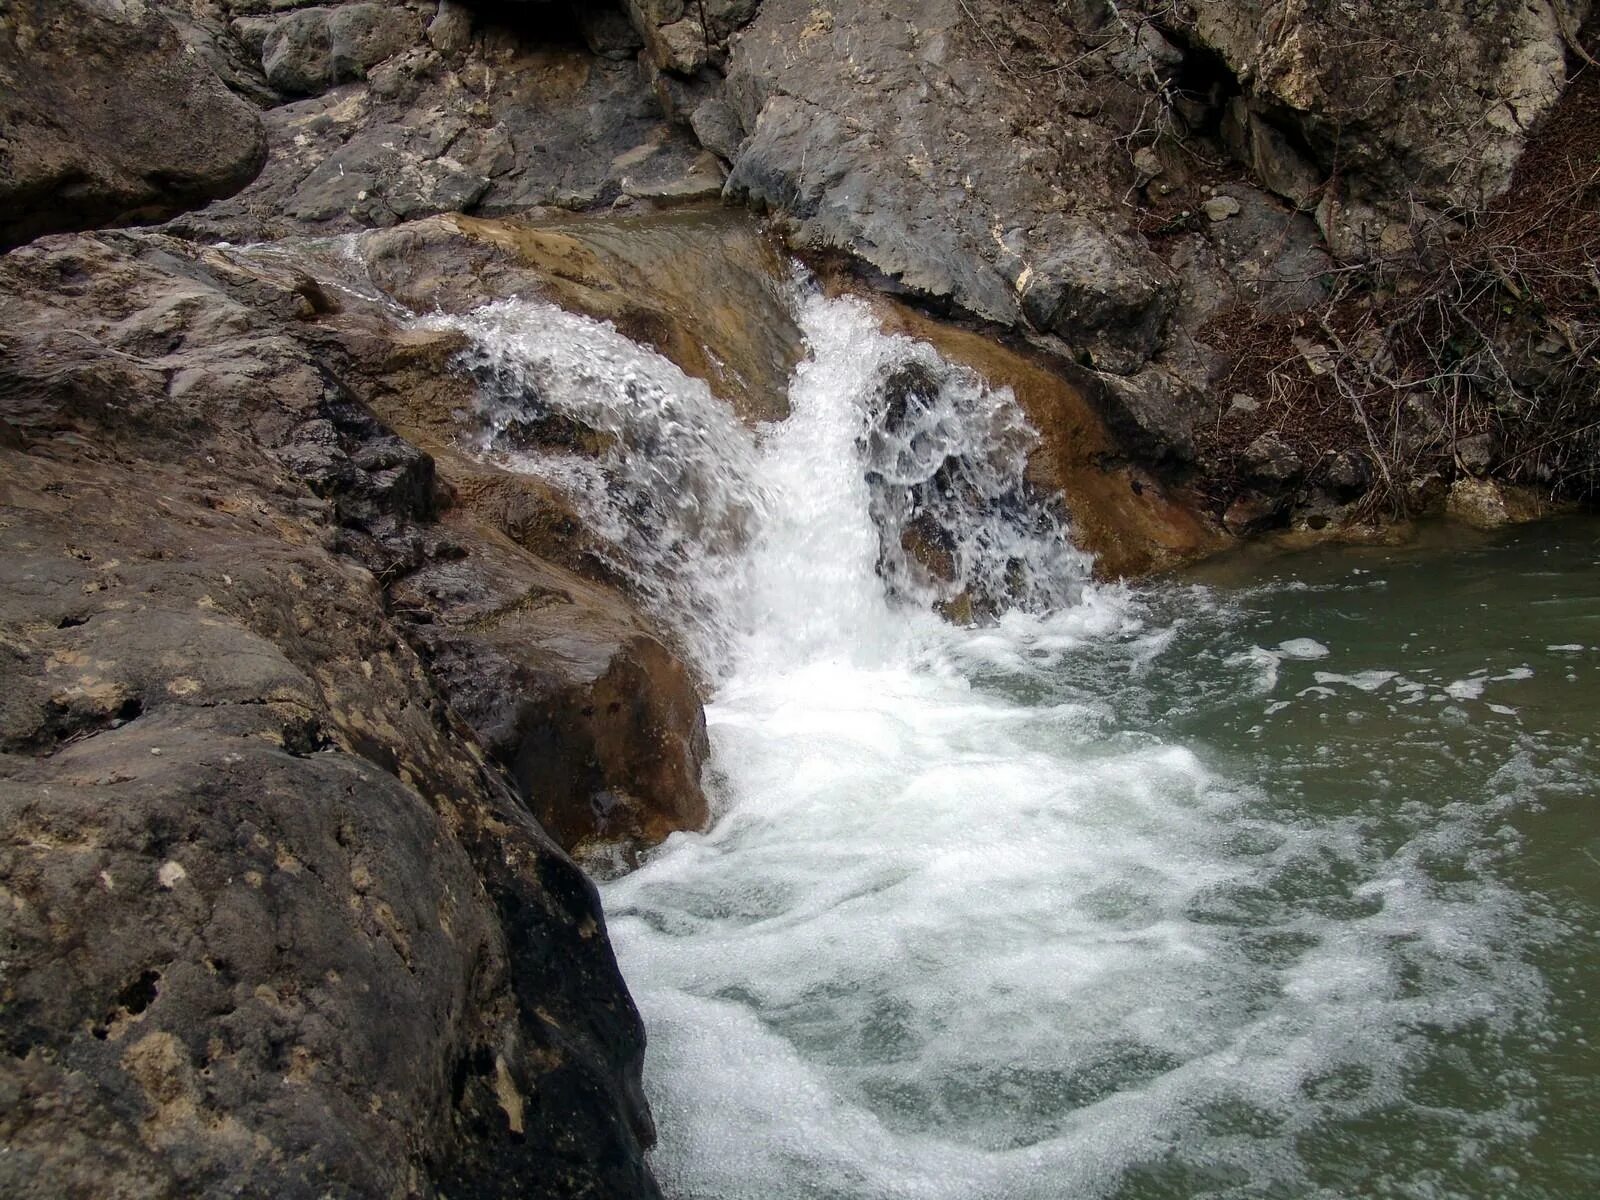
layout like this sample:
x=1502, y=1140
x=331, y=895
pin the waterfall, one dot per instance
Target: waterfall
x=980, y=914
x=897, y=485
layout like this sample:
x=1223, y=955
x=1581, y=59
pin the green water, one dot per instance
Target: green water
x=1279, y=881
x=1461, y=675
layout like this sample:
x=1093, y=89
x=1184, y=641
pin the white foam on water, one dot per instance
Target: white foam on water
x=1302, y=648
x=1364, y=681
x=956, y=933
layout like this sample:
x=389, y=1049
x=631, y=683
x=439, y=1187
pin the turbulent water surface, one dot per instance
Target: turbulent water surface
x=1268, y=886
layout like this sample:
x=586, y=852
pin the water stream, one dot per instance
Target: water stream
x=1273, y=885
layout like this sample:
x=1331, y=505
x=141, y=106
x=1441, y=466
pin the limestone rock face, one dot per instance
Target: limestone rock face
x=382, y=113
x=108, y=121
x=875, y=129
x=276, y=923
x=311, y=49
x=1433, y=101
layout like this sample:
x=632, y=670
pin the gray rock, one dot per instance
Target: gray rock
x=1220, y=208
x=876, y=135
x=1271, y=461
x=1267, y=152
x=1475, y=454
x=297, y=53
x=108, y=120
x=312, y=49
x=275, y=927
x=1345, y=78
x=498, y=129
x=450, y=31
x=1348, y=474
x=608, y=32
x=716, y=124
x=206, y=30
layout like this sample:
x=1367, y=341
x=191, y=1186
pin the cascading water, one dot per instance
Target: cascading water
x=672, y=489
x=1016, y=909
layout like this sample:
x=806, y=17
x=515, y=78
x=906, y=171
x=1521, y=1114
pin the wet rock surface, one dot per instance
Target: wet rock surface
x=277, y=921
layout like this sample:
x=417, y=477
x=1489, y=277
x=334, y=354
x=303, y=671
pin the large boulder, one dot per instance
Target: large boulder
x=108, y=120
x=309, y=50
x=881, y=134
x=1358, y=109
x=275, y=923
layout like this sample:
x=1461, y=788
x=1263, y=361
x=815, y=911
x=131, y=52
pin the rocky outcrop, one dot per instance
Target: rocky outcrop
x=1359, y=110
x=275, y=923
x=108, y=122
x=382, y=113
x=1162, y=195
x=877, y=133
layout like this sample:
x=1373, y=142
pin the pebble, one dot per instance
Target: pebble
x=1220, y=208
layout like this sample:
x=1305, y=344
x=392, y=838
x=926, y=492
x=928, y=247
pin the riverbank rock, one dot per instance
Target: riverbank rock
x=1120, y=512
x=704, y=286
x=277, y=923
x=1395, y=101
x=384, y=113
x=109, y=122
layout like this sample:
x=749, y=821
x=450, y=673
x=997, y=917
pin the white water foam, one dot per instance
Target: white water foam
x=674, y=494
x=955, y=933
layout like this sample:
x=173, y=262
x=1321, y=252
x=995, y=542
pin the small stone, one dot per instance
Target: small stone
x=1317, y=356
x=1271, y=460
x=171, y=874
x=1250, y=514
x=1220, y=208
x=1475, y=453
x=1349, y=474
x=451, y=29
x=1147, y=162
x=1239, y=402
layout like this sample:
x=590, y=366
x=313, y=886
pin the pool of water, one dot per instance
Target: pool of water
x=1283, y=880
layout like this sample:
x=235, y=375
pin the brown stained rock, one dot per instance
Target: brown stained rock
x=1120, y=513
x=108, y=120
x=1253, y=513
x=274, y=925
x=1488, y=504
x=703, y=287
x=599, y=725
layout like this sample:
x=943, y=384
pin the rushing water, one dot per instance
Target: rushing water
x=1253, y=887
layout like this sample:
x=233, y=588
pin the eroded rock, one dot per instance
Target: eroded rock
x=277, y=924
x=108, y=121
